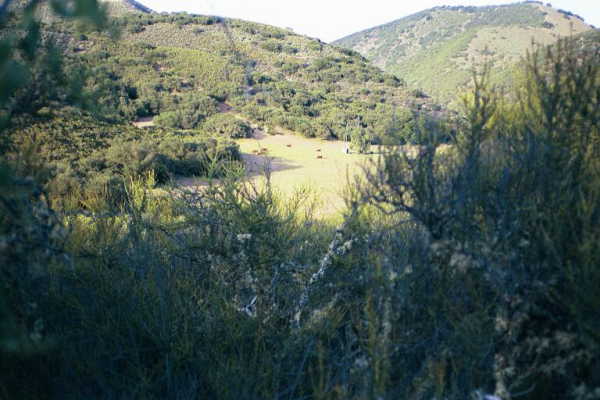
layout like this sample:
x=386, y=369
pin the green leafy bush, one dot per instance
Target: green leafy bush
x=458, y=272
x=503, y=227
x=190, y=113
x=88, y=155
x=227, y=125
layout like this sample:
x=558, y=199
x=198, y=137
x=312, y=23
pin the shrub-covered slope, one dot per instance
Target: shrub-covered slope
x=437, y=49
x=465, y=272
x=179, y=64
x=85, y=156
x=125, y=6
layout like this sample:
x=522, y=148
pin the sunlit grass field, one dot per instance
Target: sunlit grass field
x=297, y=163
x=321, y=168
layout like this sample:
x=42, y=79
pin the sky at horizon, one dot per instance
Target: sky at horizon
x=329, y=20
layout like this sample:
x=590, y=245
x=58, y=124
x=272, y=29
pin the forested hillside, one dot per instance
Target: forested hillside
x=437, y=49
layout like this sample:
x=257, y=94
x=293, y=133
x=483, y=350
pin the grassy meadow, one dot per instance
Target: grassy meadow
x=293, y=164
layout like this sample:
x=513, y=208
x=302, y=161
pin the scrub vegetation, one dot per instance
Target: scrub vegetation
x=467, y=268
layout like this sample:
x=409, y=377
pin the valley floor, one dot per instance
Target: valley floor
x=295, y=163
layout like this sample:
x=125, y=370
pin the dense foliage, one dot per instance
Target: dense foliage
x=458, y=272
x=82, y=154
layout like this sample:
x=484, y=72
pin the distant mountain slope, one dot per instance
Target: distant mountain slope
x=437, y=49
x=122, y=6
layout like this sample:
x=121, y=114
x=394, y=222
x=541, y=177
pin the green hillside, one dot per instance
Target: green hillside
x=123, y=6
x=270, y=76
x=461, y=267
x=437, y=49
x=202, y=81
